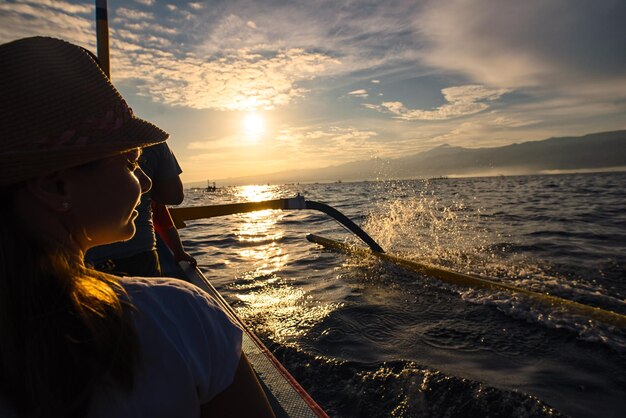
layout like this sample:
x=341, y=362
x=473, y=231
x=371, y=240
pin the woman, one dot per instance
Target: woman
x=76, y=342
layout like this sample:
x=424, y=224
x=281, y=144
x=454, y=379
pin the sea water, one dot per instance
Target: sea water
x=366, y=338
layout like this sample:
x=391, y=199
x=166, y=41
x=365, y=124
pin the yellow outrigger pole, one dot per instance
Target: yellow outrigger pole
x=453, y=277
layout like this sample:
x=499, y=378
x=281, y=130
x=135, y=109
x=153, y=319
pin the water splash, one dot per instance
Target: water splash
x=420, y=225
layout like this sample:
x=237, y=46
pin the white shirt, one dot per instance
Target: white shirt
x=189, y=352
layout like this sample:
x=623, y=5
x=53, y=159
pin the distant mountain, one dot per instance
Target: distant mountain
x=590, y=152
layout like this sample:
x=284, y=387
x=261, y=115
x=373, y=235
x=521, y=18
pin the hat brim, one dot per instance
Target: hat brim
x=23, y=165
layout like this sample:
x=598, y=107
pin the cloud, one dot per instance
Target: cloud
x=362, y=36
x=529, y=121
x=234, y=67
x=54, y=18
x=165, y=66
x=359, y=93
x=291, y=148
x=316, y=147
x=232, y=32
x=131, y=14
x=145, y=2
x=240, y=80
x=512, y=122
x=461, y=101
x=237, y=56
x=570, y=46
x=64, y=6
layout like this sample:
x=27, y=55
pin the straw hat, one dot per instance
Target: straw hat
x=59, y=110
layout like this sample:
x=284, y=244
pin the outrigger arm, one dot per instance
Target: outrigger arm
x=180, y=215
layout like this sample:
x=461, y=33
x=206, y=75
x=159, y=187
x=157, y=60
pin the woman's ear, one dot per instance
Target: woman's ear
x=53, y=190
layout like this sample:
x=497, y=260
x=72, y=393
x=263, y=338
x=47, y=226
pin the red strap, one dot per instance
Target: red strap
x=161, y=216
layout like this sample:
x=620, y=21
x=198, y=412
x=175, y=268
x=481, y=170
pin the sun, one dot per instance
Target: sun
x=253, y=125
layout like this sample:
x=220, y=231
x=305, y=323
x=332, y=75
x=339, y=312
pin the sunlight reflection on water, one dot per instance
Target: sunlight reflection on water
x=257, y=193
x=262, y=230
x=287, y=312
x=283, y=307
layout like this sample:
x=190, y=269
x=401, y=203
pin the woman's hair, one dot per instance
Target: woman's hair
x=64, y=329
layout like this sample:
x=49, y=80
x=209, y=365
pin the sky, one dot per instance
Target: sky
x=253, y=87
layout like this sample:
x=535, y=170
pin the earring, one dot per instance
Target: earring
x=65, y=205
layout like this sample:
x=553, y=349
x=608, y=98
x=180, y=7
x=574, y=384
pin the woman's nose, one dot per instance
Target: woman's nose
x=144, y=180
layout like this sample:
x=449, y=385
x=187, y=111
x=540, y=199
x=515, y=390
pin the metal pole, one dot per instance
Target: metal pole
x=102, y=32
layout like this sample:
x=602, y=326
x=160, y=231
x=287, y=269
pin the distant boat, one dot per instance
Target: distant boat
x=210, y=188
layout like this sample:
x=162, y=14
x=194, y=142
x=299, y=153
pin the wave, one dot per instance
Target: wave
x=402, y=389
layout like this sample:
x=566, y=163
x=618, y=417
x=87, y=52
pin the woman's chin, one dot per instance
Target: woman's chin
x=131, y=231
x=125, y=233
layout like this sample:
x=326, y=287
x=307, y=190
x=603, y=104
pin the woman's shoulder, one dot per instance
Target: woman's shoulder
x=139, y=288
x=134, y=284
x=166, y=299
x=182, y=312
x=161, y=297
